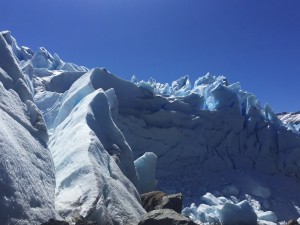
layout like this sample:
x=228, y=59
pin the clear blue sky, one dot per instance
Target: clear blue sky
x=256, y=42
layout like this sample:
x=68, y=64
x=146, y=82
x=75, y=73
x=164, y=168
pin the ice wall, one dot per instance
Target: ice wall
x=89, y=181
x=27, y=181
x=202, y=132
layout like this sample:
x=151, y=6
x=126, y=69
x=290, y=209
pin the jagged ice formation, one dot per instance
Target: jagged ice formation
x=210, y=136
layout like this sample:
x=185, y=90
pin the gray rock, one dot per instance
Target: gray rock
x=152, y=199
x=165, y=217
x=55, y=222
x=83, y=221
x=159, y=200
x=173, y=201
x=292, y=222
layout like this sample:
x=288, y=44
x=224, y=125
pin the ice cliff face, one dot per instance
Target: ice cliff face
x=89, y=181
x=213, y=134
x=89, y=152
x=210, y=136
x=27, y=179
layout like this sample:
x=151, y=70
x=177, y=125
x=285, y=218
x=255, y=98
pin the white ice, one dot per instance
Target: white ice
x=88, y=180
x=27, y=181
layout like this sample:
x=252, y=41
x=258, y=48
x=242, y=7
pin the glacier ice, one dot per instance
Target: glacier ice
x=145, y=166
x=267, y=216
x=292, y=120
x=228, y=211
x=91, y=183
x=88, y=180
x=209, y=135
x=219, y=212
x=27, y=180
x=107, y=131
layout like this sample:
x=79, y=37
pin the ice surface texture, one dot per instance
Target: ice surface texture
x=222, y=211
x=145, y=166
x=204, y=135
x=210, y=127
x=88, y=181
x=27, y=180
x=90, y=153
x=292, y=120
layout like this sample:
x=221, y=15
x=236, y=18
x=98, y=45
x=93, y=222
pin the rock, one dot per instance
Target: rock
x=173, y=201
x=83, y=221
x=55, y=222
x=292, y=222
x=159, y=200
x=165, y=217
x=152, y=199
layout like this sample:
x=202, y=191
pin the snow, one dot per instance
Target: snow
x=145, y=166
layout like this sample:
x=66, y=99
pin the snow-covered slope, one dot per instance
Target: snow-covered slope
x=27, y=180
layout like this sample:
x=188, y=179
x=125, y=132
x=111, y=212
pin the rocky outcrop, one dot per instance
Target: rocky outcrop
x=173, y=201
x=165, y=217
x=152, y=199
x=292, y=222
x=160, y=200
x=83, y=221
x=55, y=222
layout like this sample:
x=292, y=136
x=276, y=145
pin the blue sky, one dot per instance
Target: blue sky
x=255, y=42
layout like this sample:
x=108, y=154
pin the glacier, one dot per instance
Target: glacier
x=27, y=180
x=292, y=120
x=88, y=180
x=107, y=140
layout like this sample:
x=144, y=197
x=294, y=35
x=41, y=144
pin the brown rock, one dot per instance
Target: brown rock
x=292, y=222
x=82, y=221
x=165, y=217
x=55, y=222
x=152, y=199
x=173, y=201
